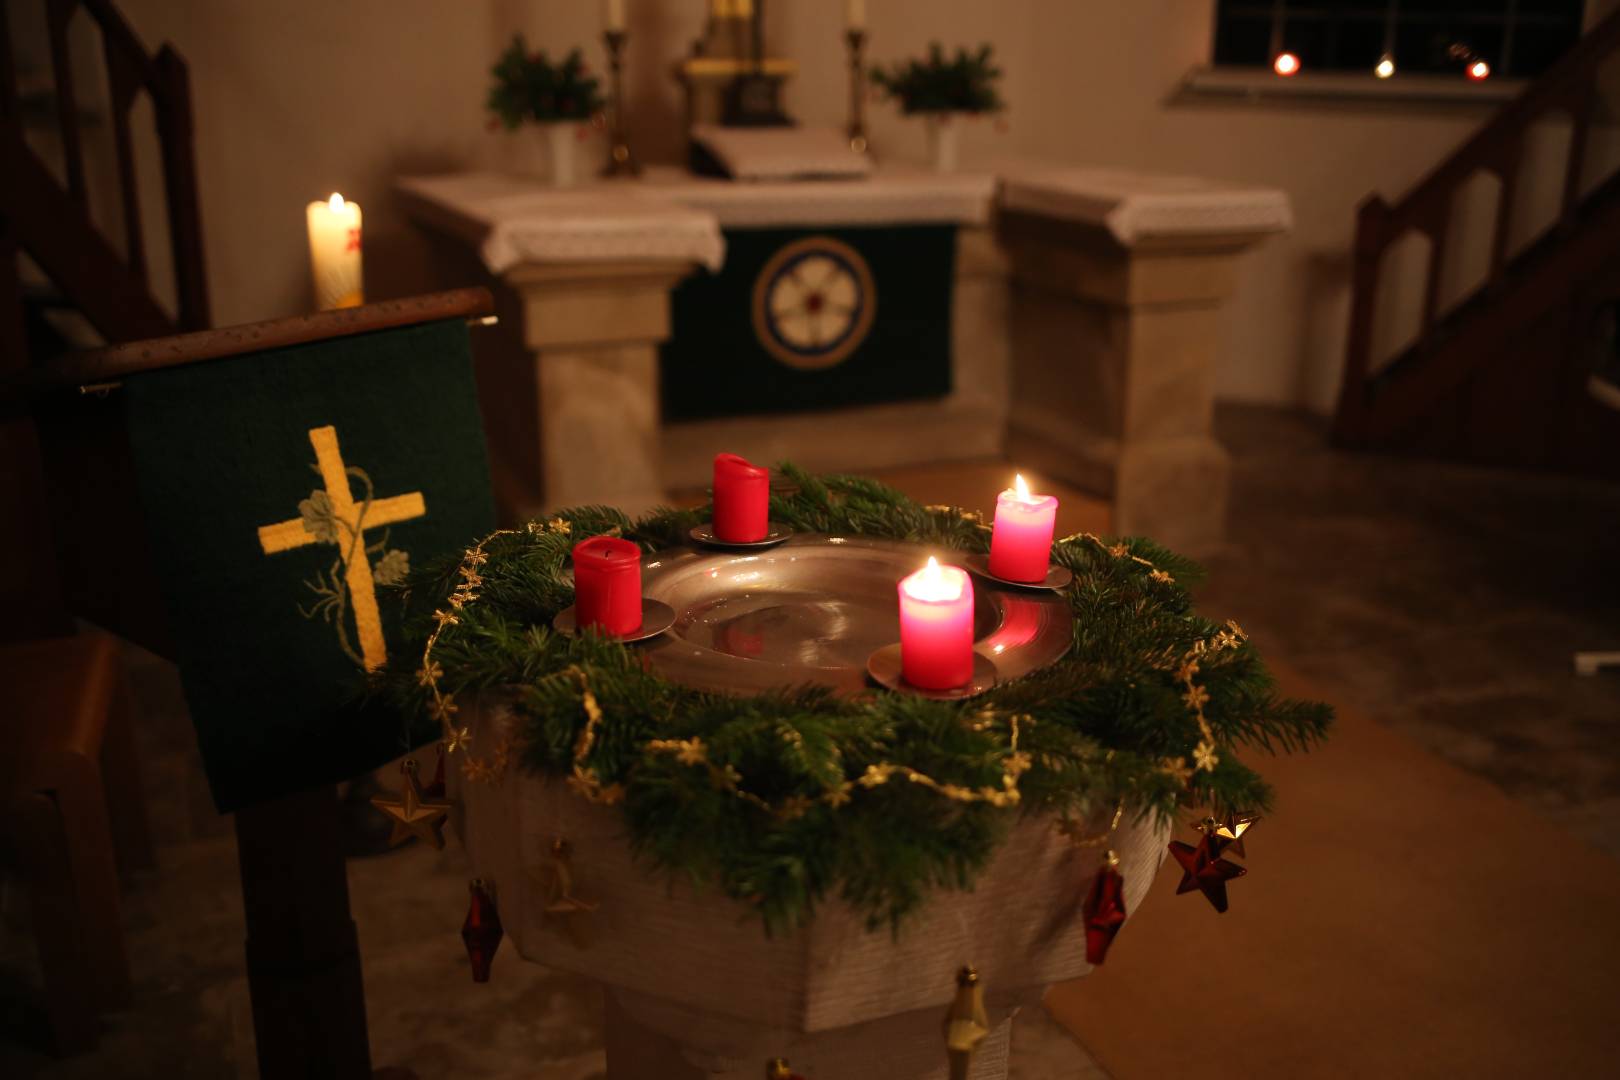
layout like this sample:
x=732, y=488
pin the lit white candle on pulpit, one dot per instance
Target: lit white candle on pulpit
x=613, y=15
x=334, y=253
x=855, y=14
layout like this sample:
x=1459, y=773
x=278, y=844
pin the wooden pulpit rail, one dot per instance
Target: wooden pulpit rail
x=100, y=367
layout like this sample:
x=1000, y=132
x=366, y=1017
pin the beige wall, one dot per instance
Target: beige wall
x=296, y=98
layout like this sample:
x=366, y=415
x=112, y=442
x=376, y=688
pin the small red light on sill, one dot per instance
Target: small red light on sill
x=1479, y=71
x=1286, y=64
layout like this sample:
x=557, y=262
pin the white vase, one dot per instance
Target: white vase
x=562, y=156
x=942, y=140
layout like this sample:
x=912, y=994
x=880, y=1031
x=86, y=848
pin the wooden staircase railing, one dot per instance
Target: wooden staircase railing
x=1374, y=406
x=51, y=221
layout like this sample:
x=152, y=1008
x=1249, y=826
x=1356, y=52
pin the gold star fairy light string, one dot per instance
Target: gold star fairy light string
x=1075, y=830
x=1196, y=697
x=694, y=753
x=1205, y=757
x=428, y=675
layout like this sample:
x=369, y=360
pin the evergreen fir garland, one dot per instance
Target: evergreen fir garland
x=779, y=799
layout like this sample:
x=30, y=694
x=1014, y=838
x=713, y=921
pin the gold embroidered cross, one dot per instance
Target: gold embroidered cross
x=353, y=519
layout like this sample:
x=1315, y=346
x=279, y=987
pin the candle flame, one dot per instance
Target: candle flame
x=932, y=583
x=1020, y=487
x=336, y=203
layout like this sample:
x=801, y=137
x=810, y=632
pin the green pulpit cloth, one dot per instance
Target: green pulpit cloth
x=283, y=491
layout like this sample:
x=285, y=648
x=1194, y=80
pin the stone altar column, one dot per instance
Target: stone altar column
x=593, y=331
x=1120, y=284
x=568, y=381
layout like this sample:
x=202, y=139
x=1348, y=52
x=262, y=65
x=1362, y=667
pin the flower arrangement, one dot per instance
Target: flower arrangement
x=528, y=87
x=935, y=84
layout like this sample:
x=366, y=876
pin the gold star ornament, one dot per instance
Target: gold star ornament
x=555, y=880
x=412, y=813
x=966, y=1024
x=1227, y=833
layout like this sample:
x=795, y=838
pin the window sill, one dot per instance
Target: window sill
x=1216, y=85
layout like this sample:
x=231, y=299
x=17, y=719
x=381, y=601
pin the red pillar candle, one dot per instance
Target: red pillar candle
x=936, y=627
x=1021, y=545
x=742, y=499
x=607, y=585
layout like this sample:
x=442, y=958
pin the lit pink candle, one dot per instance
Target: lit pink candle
x=936, y=627
x=1021, y=545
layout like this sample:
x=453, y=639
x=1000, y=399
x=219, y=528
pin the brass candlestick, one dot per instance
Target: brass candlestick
x=621, y=162
x=857, y=90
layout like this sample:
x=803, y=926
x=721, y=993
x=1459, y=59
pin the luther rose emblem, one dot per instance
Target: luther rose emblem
x=814, y=303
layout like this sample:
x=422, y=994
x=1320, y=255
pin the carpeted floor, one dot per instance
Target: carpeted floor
x=1404, y=916
x=1400, y=918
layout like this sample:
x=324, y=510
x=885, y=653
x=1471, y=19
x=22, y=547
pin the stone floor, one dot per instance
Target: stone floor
x=1446, y=600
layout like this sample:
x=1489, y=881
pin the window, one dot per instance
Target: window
x=1518, y=38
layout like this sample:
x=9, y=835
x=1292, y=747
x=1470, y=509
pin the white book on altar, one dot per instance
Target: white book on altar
x=782, y=153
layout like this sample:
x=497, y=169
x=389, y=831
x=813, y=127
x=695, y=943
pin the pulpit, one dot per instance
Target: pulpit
x=204, y=506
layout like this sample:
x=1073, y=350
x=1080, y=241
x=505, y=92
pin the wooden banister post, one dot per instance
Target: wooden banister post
x=1581, y=125
x=1507, y=172
x=123, y=83
x=1438, y=231
x=1372, y=228
x=173, y=110
x=58, y=13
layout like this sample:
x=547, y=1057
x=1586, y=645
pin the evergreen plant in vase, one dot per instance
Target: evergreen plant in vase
x=939, y=88
x=560, y=97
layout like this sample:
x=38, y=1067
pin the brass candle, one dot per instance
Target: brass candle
x=857, y=89
x=621, y=162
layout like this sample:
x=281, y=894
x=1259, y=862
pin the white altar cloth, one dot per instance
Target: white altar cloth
x=1134, y=206
x=514, y=220
x=670, y=214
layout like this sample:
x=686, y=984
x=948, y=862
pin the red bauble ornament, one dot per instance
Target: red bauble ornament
x=1104, y=909
x=1204, y=870
x=482, y=931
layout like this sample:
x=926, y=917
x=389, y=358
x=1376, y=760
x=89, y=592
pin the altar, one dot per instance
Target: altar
x=1069, y=318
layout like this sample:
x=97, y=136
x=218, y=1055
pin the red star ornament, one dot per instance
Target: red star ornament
x=1205, y=871
x=1104, y=909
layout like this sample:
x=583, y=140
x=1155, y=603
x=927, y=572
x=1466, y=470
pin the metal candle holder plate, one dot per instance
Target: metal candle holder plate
x=1057, y=577
x=656, y=617
x=814, y=609
x=775, y=533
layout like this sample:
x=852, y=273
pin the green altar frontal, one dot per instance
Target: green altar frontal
x=804, y=319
